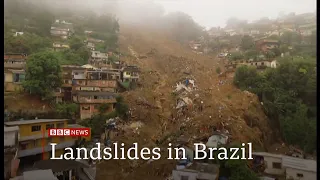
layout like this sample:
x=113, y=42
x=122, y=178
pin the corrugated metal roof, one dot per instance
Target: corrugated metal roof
x=298, y=163
x=21, y=122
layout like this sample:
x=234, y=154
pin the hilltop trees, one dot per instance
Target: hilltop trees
x=43, y=74
x=183, y=27
x=247, y=43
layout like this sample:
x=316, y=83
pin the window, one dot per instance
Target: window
x=35, y=128
x=276, y=165
x=23, y=146
x=80, y=82
x=184, y=177
x=60, y=125
x=299, y=175
x=66, y=81
x=256, y=64
x=49, y=126
x=75, y=73
x=85, y=108
x=95, y=97
x=262, y=63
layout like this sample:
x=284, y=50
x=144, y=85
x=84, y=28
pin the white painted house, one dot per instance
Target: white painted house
x=293, y=168
x=299, y=169
x=273, y=163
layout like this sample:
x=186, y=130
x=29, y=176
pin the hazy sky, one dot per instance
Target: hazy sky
x=211, y=13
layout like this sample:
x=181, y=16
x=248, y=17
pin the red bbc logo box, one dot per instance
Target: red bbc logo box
x=83, y=132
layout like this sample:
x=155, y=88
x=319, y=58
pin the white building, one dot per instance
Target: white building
x=299, y=169
x=273, y=163
x=11, y=135
x=293, y=168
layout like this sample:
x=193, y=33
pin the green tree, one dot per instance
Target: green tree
x=290, y=38
x=236, y=169
x=43, y=74
x=247, y=43
x=76, y=43
x=67, y=110
x=288, y=95
x=251, y=54
x=121, y=107
x=236, y=56
x=247, y=77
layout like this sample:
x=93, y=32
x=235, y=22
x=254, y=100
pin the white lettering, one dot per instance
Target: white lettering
x=70, y=153
x=156, y=151
x=135, y=149
x=234, y=155
x=202, y=150
x=85, y=152
x=98, y=153
x=142, y=153
x=250, y=151
x=225, y=153
x=53, y=152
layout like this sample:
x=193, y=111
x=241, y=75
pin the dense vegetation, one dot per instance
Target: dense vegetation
x=288, y=94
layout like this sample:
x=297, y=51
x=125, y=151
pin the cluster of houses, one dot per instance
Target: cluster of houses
x=278, y=27
x=96, y=83
x=90, y=85
x=27, y=151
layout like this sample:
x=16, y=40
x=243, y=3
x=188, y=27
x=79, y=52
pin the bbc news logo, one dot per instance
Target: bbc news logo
x=69, y=132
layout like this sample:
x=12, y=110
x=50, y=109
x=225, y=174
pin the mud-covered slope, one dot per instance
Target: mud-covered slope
x=163, y=63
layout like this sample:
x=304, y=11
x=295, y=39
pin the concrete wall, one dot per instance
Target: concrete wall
x=11, y=87
x=10, y=138
x=102, y=83
x=269, y=167
x=306, y=174
x=79, y=75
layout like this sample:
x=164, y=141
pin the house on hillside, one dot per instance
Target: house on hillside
x=299, y=169
x=61, y=29
x=130, y=74
x=285, y=166
x=14, y=71
x=89, y=87
x=91, y=46
x=99, y=60
x=60, y=46
x=307, y=29
x=231, y=32
x=18, y=34
x=90, y=102
x=264, y=44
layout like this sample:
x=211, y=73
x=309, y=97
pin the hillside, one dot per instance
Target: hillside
x=166, y=63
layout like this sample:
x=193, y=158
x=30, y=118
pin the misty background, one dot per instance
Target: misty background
x=207, y=13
